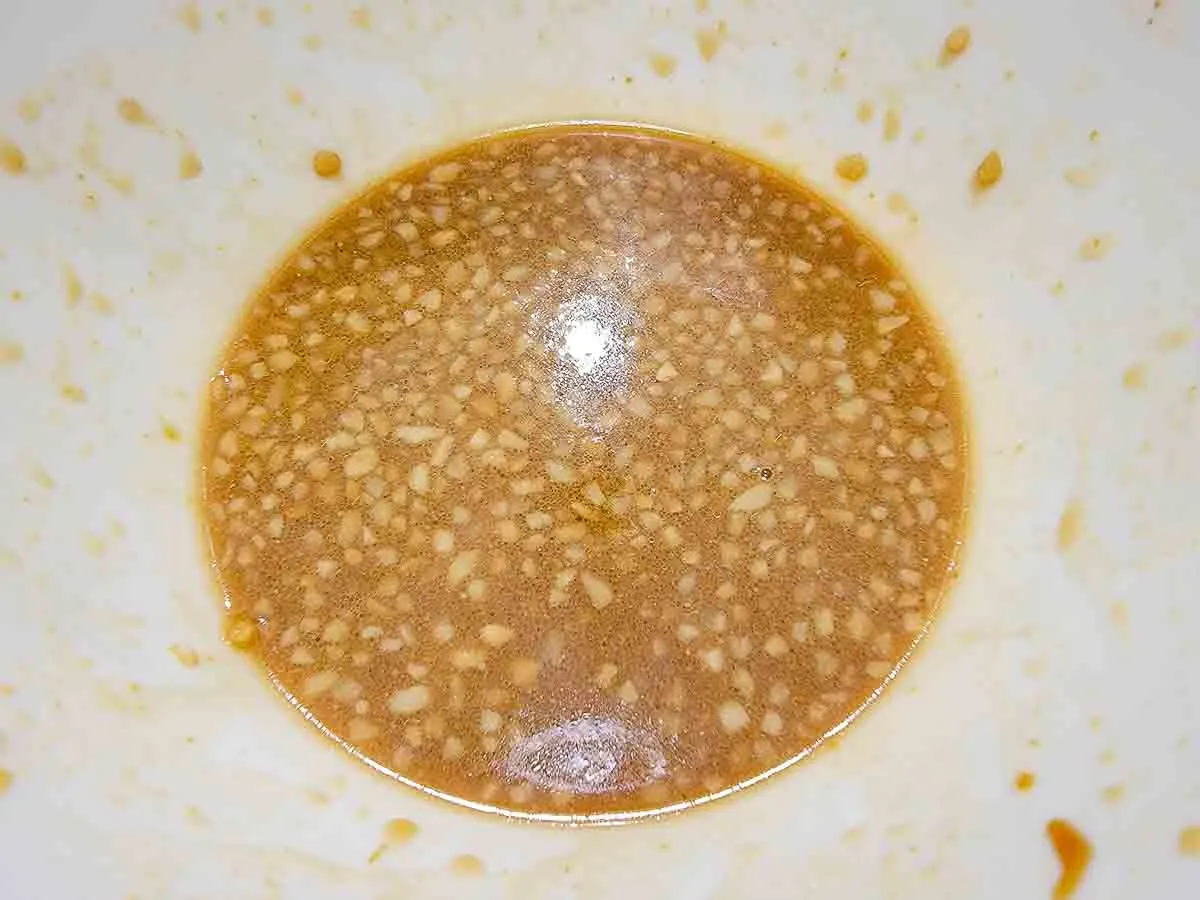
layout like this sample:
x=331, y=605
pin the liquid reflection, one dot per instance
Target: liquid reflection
x=588, y=329
x=588, y=755
x=585, y=344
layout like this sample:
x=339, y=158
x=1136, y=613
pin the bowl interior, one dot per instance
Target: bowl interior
x=1065, y=292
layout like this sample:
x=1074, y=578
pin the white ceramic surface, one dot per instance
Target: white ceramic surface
x=135, y=776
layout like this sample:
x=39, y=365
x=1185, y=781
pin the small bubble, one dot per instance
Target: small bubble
x=765, y=473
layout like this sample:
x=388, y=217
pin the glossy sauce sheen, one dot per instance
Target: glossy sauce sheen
x=584, y=471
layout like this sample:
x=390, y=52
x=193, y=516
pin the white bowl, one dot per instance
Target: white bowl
x=1067, y=650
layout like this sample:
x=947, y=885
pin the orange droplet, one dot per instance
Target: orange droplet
x=12, y=158
x=663, y=64
x=1074, y=853
x=189, y=165
x=852, y=167
x=989, y=171
x=467, y=864
x=955, y=45
x=327, y=164
x=133, y=112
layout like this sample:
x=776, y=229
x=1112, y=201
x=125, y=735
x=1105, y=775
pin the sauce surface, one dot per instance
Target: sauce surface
x=583, y=471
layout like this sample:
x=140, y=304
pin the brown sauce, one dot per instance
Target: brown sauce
x=584, y=471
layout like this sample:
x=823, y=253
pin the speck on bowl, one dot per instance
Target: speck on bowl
x=141, y=757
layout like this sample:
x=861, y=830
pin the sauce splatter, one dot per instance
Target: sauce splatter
x=187, y=657
x=1189, y=840
x=663, y=64
x=396, y=833
x=955, y=45
x=1081, y=177
x=851, y=167
x=1095, y=247
x=1134, y=378
x=29, y=109
x=400, y=831
x=6, y=780
x=1070, y=525
x=1024, y=781
x=897, y=203
x=891, y=124
x=189, y=15
x=193, y=815
x=12, y=158
x=71, y=285
x=11, y=353
x=467, y=864
x=327, y=164
x=1175, y=339
x=133, y=112
x=989, y=171
x=74, y=393
x=709, y=40
x=190, y=165
x=1074, y=853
